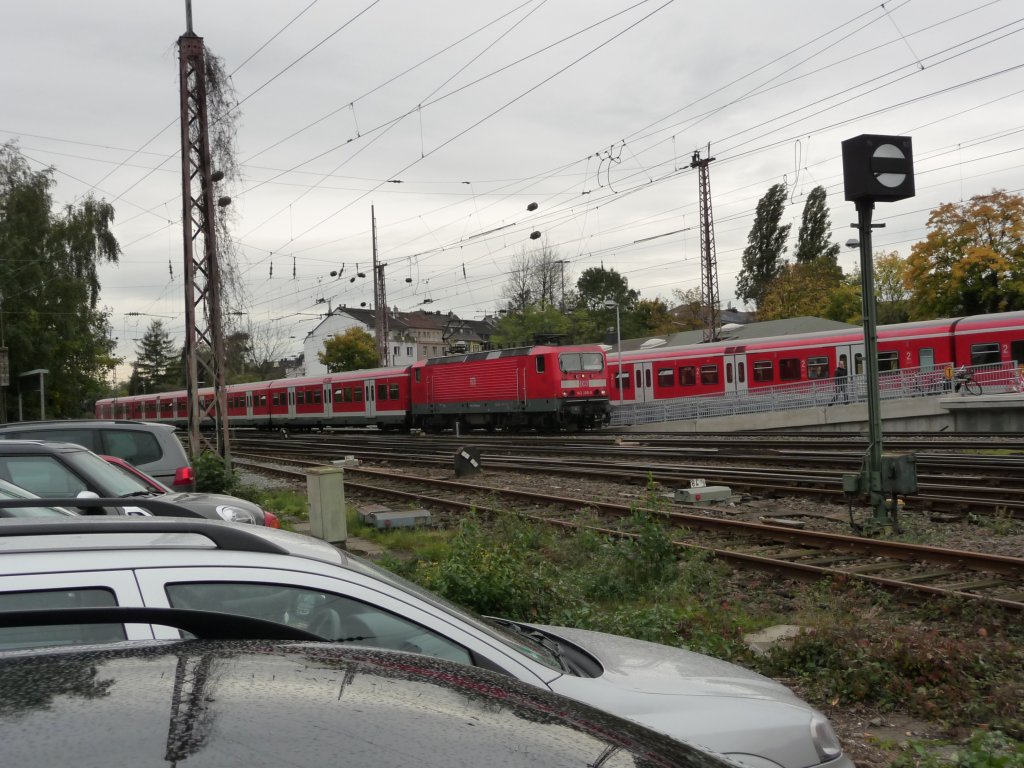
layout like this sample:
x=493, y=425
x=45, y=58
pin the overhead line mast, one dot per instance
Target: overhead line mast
x=202, y=273
x=710, y=312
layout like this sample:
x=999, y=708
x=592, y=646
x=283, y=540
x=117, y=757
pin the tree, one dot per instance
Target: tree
x=535, y=277
x=813, y=241
x=598, y=285
x=972, y=261
x=521, y=329
x=800, y=290
x=353, y=350
x=687, y=313
x=48, y=278
x=158, y=363
x=762, y=258
x=891, y=294
x=652, y=318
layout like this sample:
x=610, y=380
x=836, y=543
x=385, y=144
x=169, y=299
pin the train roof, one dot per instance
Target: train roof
x=497, y=354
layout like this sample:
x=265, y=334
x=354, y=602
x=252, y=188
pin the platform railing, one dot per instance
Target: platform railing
x=998, y=378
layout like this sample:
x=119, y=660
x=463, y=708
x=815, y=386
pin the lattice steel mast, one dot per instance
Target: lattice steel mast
x=711, y=314
x=202, y=274
x=380, y=299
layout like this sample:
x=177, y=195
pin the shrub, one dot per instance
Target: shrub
x=212, y=476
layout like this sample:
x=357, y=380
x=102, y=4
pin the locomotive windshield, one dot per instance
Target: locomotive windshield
x=575, y=362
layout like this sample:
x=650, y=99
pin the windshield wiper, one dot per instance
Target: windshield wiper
x=135, y=494
x=541, y=639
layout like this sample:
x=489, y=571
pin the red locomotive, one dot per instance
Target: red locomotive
x=738, y=367
x=545, y=388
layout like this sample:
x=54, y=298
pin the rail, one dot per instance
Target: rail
x=904, y=383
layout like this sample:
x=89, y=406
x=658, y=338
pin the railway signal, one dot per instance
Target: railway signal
x=877, y=168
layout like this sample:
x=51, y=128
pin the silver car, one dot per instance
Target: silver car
x=300, y=581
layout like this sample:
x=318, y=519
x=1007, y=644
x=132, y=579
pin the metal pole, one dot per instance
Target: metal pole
x=873, y=470
x=618, y=344
x=42, y=398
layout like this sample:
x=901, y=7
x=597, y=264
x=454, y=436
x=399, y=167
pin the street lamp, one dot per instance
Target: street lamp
x=618, y=345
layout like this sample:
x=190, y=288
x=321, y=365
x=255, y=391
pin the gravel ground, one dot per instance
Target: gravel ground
x=870, y=738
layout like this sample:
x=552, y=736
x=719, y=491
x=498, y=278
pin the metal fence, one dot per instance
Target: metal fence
x=999, y=378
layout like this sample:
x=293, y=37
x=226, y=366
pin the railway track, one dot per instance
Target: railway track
x=906, y=569
x=947, y=482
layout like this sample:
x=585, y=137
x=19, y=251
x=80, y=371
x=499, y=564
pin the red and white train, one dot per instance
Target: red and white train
x=543, y=388
x=739, y=367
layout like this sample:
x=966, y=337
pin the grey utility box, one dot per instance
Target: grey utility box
x=899, y=473
x=325, y=488
x=702, y=494
x=404, y=519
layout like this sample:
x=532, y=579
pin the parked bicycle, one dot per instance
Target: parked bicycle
x=964, y=379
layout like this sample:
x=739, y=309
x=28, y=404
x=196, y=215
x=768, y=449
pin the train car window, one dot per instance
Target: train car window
x=665, y=377
x=647, y=377
x=789, y=369
x=623, y=381
x=338, y=395
x=741, y=369
x=316, y=397
x=357, y=394
x=382, y=391
x=540, y=364
x=639, y=379
x=985, y=353
x=728, y=373
x=687, y=376
x=858, y=363
x=709, y=374
x=300, y=398
x=817, y=368
x=888, y=361
x=1017, y=351
x=393, y=391
x=926, y=358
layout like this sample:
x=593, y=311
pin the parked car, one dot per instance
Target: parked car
x=152, y=447
x=64, y=471
x=310, y=585
x=267, y=703
x=197, y=500
x=11, y=491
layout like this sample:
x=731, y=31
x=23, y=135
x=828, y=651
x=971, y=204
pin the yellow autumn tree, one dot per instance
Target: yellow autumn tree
x=972, y=261
x=800, y=290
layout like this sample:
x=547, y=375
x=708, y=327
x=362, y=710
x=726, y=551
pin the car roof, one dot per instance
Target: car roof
x=112, y=533
x=83, y=424
x=39, y=446
x=272, y=703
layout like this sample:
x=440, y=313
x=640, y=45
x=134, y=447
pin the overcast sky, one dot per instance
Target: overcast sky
x=590, y=108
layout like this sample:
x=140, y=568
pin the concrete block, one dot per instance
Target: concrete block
x=705, y=494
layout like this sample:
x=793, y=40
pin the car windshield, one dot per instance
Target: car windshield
x=516, y=640
x=575, y=362
x=113, y=481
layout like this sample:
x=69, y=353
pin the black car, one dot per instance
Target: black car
x=66, y=471
x=274, y=703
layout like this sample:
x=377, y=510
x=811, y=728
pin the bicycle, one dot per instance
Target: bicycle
x=963, y=378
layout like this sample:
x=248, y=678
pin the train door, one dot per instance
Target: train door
x=248, y=405
x=643, y=383
x=370, y=397
x=855, y=364
x=291, y=403
x=735, y=373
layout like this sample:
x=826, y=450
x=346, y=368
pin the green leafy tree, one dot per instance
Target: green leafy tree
x=800, y=290
x=891, y=294
x=598, y=285
x=762, y=258
x=157, y=362
x=523, y=329
x=652, y=318
x=813, y=240
x=972, y=261
x=353, y=350
x=50, y=288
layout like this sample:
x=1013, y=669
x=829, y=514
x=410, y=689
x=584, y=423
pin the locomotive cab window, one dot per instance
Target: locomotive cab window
x=540, y=364
x=986, y=353
x=576, y=362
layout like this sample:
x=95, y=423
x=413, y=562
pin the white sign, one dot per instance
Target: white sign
x=698, y=483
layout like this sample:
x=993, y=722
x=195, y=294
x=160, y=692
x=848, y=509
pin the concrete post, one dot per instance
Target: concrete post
x=325, y=488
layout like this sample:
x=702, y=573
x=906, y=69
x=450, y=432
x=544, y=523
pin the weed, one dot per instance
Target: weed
x=212, y=476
